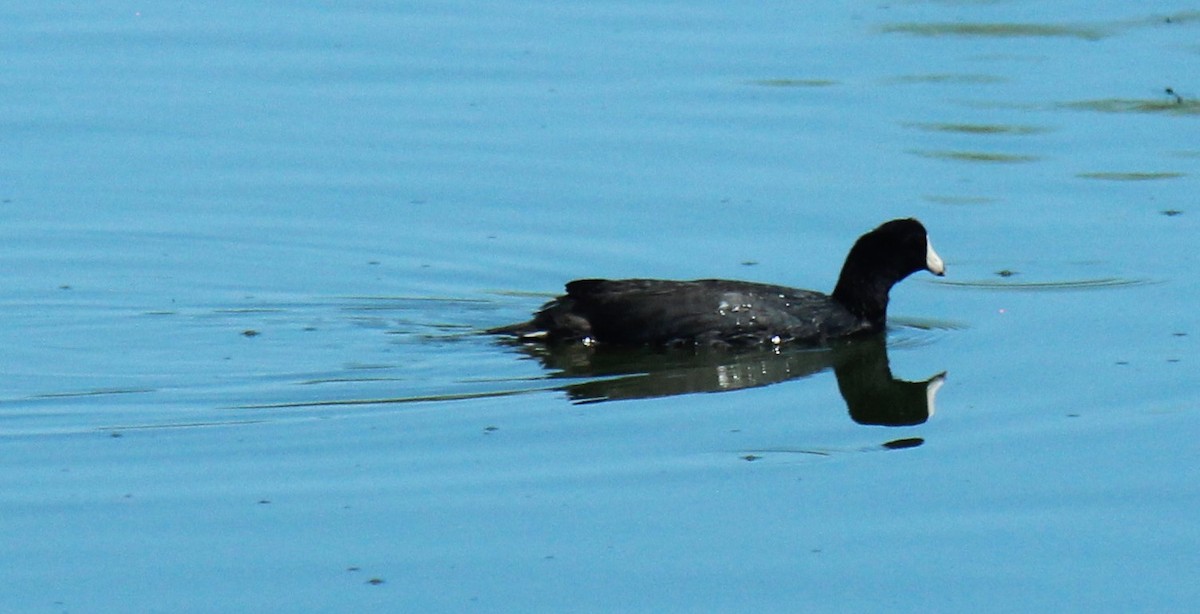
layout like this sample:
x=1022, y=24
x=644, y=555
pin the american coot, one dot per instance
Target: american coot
x=634, y=312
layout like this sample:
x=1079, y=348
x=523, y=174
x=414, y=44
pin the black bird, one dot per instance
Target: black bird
x=719, y=312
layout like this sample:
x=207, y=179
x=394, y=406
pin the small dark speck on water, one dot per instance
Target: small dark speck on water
x=900, y=444
x=1122, y=362
x=1171, y=212
x=250, y=332
x=1171, y=92
x=1006, y=273
x=114, y=434
x=354, y=568
x=751, y=457
x=65, y=287
x=375, y=581
x=264, y=501
x=1172, y=360
x=1179, y=334
x=1072, y=415
x=490, y=429
x=373, y=262
x=749, y=262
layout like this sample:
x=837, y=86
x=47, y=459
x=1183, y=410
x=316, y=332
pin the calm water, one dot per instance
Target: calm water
x=245, y=250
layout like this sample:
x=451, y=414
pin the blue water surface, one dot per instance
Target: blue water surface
x=246, y=251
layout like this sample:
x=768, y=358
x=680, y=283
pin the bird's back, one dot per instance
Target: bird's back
x=704, y=312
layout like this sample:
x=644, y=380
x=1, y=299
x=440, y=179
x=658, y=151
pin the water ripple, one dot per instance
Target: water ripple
x=995, y=30
x=1067, y=284
x=1167, y=105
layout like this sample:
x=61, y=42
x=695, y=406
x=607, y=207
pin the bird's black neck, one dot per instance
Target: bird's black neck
x=865, y=294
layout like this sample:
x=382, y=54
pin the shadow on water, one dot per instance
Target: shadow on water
x=864, y=377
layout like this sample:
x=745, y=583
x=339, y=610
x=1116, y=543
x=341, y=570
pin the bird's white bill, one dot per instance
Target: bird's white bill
x=933, y=262
x=931, y=391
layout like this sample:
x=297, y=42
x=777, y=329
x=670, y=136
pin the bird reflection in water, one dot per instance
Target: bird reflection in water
x=873, y=396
